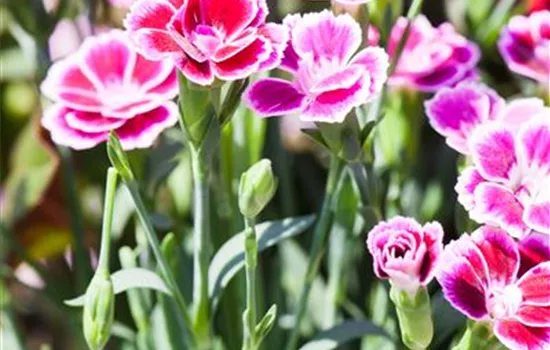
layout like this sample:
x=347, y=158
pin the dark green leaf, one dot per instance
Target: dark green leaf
x=341, y=334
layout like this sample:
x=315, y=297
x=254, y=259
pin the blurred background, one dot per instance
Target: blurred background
x=47, y=192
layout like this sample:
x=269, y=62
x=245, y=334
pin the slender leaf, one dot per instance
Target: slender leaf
x=230, y=257
x=341, y=334
x=127, y=279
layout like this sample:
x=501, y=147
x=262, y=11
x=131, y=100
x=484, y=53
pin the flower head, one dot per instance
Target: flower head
x=405, y=252
x=525, y=45
x=480, y=277
x=432, y=57
x=107, y=86
x=330, y=78
x=208, y=39
x=509, y=182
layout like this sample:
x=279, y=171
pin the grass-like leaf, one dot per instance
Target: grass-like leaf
x=343, y=333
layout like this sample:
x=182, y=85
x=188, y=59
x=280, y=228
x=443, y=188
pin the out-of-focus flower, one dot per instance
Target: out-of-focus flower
x=479, y=276
x=537, y=5
x=405, y=252
x=122, y=3
x=351, y=2
x=330, y=79
x=509, y=182
x=432, y=57
x=525, y=46
x=67, y=36
x=208, y=39
x=107, y=86
x=456, y=112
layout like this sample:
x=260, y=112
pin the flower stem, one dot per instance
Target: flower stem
x=82, y=265
x=105, y=249
x=251, y=259
x=320, y=234
x=201, y=322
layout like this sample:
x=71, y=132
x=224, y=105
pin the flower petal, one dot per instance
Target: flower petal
x=277, y=35
x=534, y=316
x=91, y=122
x=66, y=75
x=149, y=74
x=537, y=215
x=325, y=35
x=496, y=205
x=149, y=14
x=433, y=238
x=466, y=186
x=514, y=335
x=230, y=17
x=520, y=111
x=376, y=62
x=534, y=145
x=534, y=285
x=199, y=73
x=499, y=253
x=533, y=249
x=244, y=63
x=270, y=96
x=143, y=130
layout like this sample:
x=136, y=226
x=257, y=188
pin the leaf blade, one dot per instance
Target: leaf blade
x=341, y=334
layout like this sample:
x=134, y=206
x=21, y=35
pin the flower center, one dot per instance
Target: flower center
x=504, y=302
x=117, y=93
x=207, y=39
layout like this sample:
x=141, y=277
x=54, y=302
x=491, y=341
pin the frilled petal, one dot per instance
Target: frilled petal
x=231, y=17
x=499, y=253
x=534, y=316
x=515, y=335
x=534, y=285
x=494, y=153
x=199, y=73
x=325, y=35
x=455, y=112
x=150, y=74
x=497, y=205
x=54, y=120
x=90, y=122
x=238, y=44
x=333, y=106
x=244, y=63
x=270, y=96
x=290, y=57
x=277, y=35
x=534, y=145
x=375, y=61
x=345, y=78
x=433, y=238
x=462, y=284
x=533, y=249
x=466, y=186
x=537, y=215
x=440, y=77
x=143, y=130
x=66, y=75
x=520, y=111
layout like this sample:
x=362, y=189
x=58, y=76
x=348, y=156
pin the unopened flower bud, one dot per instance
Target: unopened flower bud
x=257, y=187
x=99, y=311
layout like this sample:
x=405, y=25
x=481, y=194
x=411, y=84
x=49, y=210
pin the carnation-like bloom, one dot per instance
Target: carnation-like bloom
x=525, y=46
x=480, y=276
x=106, y=85
x=331, y=77
x=208, y=39
x=432, y=57
x=405, y=252
x=509, y=182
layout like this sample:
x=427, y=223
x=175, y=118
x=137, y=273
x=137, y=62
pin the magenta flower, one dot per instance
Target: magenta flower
x=432, y=57
x=456, y=112
x=330, y=79
x=509, y=182
x=405, y=252
x=208, y=39
x=525, y=46
x=107, y=86
x=480, y=277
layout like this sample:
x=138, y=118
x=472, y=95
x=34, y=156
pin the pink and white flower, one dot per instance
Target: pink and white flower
x=330, y=77
x=509, y=182
x=106, y=85
x=480, y=277
x=525, y=46
x=208, y=39
x=405, y=252
x=432, y=57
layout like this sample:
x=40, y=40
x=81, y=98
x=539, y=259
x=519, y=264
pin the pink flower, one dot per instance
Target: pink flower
x=405, y=252
x=208, y=39
x=330, y=79
x=107, y=86
x=122, y=3
x=432, y=57
x=525, y=46
x=479, y=276
x=509, y=182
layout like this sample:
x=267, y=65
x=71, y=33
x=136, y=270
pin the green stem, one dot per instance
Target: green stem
x=251, y=259
x=201, y=257
x=320, y=234
x=82, y=264
x=110, y=193
x=164, y=268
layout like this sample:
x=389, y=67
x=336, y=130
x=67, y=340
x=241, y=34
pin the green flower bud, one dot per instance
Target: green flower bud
x=99, y=311
x=415, y=317
x=257, y=187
